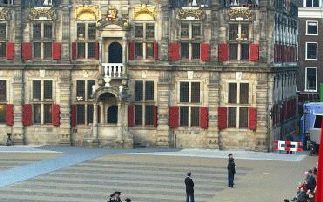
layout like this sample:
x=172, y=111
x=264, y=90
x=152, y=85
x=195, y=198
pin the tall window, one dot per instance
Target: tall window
x=190, y=99
x=86, y=40
x=84, y=106
x=42, y=40
x=144, y=40
x=144, y=102
x=3, y=39
x=238, y=99
x=311, y=50
x=191, y=36
x=239, y=41
x=311, y=3
x=311, y=27
x=42, y=101
x=3, y=100
x=311, y=79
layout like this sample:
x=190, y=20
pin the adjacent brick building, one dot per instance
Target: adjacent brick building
x=208, y=74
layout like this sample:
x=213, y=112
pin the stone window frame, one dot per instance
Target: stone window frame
x=305, y=78
x=144, y=41
x=191, y=40
x=42, y=40
x=238, y=105
x=239, y=41
x=305, y=1
x=42, y=102
x=317, y=27
x=3, y=41
x=306, y=45
x=143, y=103
x=189, y=104
x=85, y=40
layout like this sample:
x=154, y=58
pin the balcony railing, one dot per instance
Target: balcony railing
x=113, y=70
x=241, y=3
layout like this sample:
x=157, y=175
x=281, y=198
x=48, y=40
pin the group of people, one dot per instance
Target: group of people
x=116, y=197
x=306, y=189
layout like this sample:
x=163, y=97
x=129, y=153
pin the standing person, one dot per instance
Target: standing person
x=117, y=196
x=231, y=171
x=189, y=188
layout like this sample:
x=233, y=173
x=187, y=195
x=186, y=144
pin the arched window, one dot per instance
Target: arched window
x=115, y=53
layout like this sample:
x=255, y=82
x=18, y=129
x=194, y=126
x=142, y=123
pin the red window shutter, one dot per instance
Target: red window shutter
x=56, y=115
x=74, y=50
x=26, y=50
x=27, y=114
x=173, y=121
x=205, y=52
x=131, y=115
x=97, y=50
x=10, y=51
x=252, y=118
x=173, y=51
x=156, y=50
x=131, y=50
x=222, y=118
x=9, y=114
x=253, y=52
x=73, y=115
x=155, y=116
x=56, y=51
x=223, y=52
x=204, y=117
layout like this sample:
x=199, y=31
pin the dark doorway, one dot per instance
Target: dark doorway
x=115, y=53
x=113, y=114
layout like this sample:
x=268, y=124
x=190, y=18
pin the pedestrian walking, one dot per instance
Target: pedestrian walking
x=189, y=188
x=231, y=170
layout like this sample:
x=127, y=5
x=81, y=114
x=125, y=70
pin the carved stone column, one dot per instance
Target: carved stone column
x=65, y=9
x=18, y=133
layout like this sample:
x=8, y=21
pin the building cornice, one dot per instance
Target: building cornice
x=310, y=12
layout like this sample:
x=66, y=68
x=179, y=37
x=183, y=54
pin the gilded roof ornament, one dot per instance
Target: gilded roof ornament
x=42, y=13
x=190, y=13
x=87, y=13
x=5, y=14
x=145, y=12
x=242, y=13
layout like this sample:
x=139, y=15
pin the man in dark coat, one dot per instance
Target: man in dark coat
x=189, y=188
x=231, y=170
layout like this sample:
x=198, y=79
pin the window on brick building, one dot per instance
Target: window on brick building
x=238, y=41
x=3, y=39
x=311, y=3
x=42, y=40
x=144, y=40
x=190, y=36
x=311, y=27
x=42, y=94
x=311, y=51
x=86, y=40
x=311, y=79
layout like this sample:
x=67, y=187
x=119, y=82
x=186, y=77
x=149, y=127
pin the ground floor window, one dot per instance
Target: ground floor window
x=189, y=116
x=84, y=114
x=238, y=117
x=3, y=113
x=42, y=113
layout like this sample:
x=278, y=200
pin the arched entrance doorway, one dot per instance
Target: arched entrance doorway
x=115, y=53
x=109, y=108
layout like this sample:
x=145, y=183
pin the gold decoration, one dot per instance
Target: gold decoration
x=111, y=18
x=4, y=14
x=87, y=13
x=190, y=14
x=145, y=12
x=42, y=14
x=112, y=13
x=243, y=13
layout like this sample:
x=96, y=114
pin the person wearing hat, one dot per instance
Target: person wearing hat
x=231, y=170
x=117, y=196
x=189, y=188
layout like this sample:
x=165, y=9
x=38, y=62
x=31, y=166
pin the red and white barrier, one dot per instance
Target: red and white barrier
x=289, y=146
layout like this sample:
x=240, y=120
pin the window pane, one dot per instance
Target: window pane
x=311, y=50
x=90, y=109
x=3, y=113
x=80, y=114
x=80, y=50
x=150, y=31
x=139, y=88
x=80, y=31
x=184, y=116
x=233, y=51
x=184, y=92
x=138, y=50
x=243, y=117
x=196, y=30
x=3, y=31
x=311, y=27
x=195, y=116
x=195, y=50
x=311, y=78
x=80, y=90
x=48, y=89
x=3, y=90
x=195, y=92
x=184, y=30
x=315, y=3
x=232, y=93
x=138, y=115
x=48, y=50
x=232, y=117
x=3, y=50
x=91, y=31
x=37, y=50
x=37, y=89
x=149, y=91
x=91, y=50
x=90, y=84
x=244, y=31
x=149, y=115
x=150, y=50
x=47, y=113
x=184, y=50
x=113, y=114
x=37, y=31
x=233, y=31
x=244, y=93
x=244, y=52
x=48, y=31
x=37, y=113
x=139, y=30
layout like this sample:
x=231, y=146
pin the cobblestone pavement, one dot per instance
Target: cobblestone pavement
x=151, y=177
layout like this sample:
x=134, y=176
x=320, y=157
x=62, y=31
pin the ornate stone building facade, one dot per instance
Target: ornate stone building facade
x=124, y=73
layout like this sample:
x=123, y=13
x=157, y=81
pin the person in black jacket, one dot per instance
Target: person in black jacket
x=231, y=170
x=189, y=188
